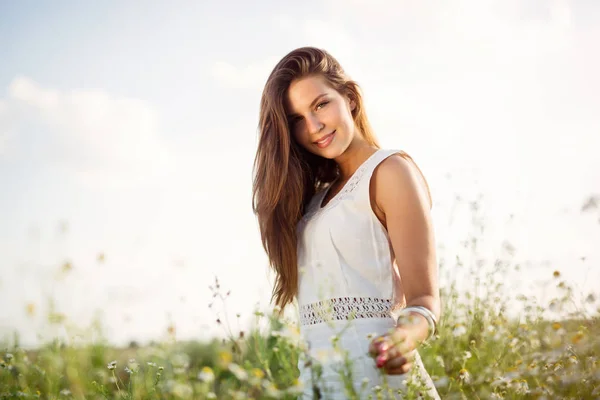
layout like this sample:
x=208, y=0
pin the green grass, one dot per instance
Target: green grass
x=479, y=353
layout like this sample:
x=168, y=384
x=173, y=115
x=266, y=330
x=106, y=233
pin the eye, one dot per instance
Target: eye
x=322, y=104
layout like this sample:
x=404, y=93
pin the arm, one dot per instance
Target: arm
x=401, y=195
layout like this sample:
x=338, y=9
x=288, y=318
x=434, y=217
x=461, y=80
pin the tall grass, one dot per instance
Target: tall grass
x=480, y=352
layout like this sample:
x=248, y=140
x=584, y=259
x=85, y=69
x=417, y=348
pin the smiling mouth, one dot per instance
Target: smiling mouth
x=325, y=140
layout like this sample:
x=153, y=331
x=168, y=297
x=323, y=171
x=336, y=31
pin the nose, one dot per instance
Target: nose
x=314, y=125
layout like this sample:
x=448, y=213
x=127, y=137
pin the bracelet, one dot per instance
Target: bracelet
x=429, y=316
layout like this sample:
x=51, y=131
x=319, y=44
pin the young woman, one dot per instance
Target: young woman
x=347, y=229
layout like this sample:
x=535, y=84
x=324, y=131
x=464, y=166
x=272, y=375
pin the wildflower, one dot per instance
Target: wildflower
x=272, y=391
x=521, y=386
x=225, y=357
x=112, y=365
x=238, y=371
x=556, y=326
x=65, y=392
x=8, y=357
x=180, y=361
x=133, y=365
x=467, y=355
x=556, y=274
x=258, y=373
x=577, y=338
x=440, y=361
x=30, y=309
x=573, y=360
x=171, y=329
x=464, y=376
x=459, y=330
x=152, y=364
x=206, y=375
x=328, y=355
x=181, y=390
x=296, y=389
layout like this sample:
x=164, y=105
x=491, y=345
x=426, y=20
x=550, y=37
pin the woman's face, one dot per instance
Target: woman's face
x=320, y=118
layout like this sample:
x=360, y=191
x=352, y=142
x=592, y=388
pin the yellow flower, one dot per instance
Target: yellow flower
x=556, y=274
x=577, y=338
x=257, y=372
x=556, y=326
x=225, y=357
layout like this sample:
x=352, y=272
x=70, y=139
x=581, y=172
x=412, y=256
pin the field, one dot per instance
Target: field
x=478, y=354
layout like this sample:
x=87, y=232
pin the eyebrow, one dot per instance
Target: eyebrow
x=311, y=104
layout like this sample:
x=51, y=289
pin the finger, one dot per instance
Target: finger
x=385, y=356
x=394, y=360
x=376, y=346
x=401, y=370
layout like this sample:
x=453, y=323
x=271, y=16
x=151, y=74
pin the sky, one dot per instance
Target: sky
x=128, y=134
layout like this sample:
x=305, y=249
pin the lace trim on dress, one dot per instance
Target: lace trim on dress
x=344, y=308
x=346, y=190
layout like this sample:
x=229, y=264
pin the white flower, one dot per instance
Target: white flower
x=112, y=365
x=206, y=375
x=459, y=330
x=238, y=371
x=328, y=355
x=440, y=361
x=182, y=390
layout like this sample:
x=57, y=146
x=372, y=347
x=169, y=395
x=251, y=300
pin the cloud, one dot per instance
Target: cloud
x=102, y=139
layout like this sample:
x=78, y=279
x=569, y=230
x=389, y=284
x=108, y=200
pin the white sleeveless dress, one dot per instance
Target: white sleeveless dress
x=348, y=289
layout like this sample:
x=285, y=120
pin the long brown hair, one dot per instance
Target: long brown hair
x=286, y=176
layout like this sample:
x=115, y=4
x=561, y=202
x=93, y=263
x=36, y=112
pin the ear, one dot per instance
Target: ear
x=352, y=104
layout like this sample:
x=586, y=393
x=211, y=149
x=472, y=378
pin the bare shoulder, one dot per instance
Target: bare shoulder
x=398, y=181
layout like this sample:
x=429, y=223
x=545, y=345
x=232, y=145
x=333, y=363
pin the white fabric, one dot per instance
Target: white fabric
x=348, y=286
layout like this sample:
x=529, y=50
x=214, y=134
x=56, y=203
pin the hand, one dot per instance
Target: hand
x=394, y=352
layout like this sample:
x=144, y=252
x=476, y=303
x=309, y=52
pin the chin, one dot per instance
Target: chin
x=330, y=153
